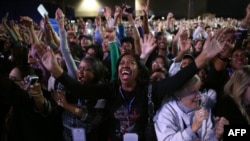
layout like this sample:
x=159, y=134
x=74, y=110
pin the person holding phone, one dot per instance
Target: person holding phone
x=22, y=104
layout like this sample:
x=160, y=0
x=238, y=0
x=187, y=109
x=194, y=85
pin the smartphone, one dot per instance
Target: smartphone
x=41, y=9
x=129, y=9
x=32, y=79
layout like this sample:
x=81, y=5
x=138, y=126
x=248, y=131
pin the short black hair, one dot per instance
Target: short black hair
x=128, y=40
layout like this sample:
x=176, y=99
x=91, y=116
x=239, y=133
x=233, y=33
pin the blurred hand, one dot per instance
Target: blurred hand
x=219, y=126
x=199, y=116
x=60, y=98
x=27, y=21
x=214, y=45
x=248, y=11
x=147, y=44
x=49, y=60
x=59, y=16
x=170, y=15
x=185, y=44
x=35, y=90
x=118, y=11
x=98, y=21
x=107, y=13
x=5, y=18
x=145, y=6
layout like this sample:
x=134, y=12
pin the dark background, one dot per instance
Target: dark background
x=221, y=8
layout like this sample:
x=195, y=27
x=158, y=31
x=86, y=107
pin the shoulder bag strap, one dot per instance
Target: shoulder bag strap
x=150, y=103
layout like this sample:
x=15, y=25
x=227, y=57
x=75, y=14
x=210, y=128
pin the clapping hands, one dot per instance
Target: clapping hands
x=199, y=116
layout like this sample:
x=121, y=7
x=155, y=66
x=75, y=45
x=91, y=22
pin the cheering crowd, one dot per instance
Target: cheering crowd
x=123, y=76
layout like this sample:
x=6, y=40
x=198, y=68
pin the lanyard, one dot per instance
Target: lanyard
x=128, y=104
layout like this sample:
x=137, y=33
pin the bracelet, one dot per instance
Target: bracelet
x=36, y=95
x=223, y=58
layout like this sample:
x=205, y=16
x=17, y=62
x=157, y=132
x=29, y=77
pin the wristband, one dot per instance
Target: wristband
x=223, y=58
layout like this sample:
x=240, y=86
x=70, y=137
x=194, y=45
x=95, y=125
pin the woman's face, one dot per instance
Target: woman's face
x=191, y=98
x=84, y=73
x=157, y=63
x=202, y=75
x=128, y=69
x=198, y=46
x=85, y=42
x=91, y=52
x=238, y=59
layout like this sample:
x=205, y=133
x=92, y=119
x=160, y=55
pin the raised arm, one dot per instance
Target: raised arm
x=245, y=23
x=71, y=66
x=145, y=24
x=15, y=29
x=222, y=59
x=148, y=44
x=211, y=48
x=6, y=26
x=50, y=34
x=136, y=34
x=28, y=22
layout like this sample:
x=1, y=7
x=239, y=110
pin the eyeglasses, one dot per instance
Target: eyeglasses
x=158, y=63
x=196, y=92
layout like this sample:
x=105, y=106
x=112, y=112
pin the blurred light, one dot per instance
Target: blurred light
x=87, y=8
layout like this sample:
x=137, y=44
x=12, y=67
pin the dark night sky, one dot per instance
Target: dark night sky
x=227, y=8
x=224, y=8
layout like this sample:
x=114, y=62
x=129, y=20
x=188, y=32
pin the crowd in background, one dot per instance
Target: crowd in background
x=109, y=78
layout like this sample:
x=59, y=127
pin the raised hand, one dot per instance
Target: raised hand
x=59, y=97
x=5, y=18
x=118, y=11
x=27, y=21
x=98, y=21
x=145, y=6
x=47, y=25
x=14, y=25
x=35, y=90
x=107, y=12
x=248, y=11
x=214, y=45
x=59, y=16
x=185, y=44
x=170, y=15
x=147, y=45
